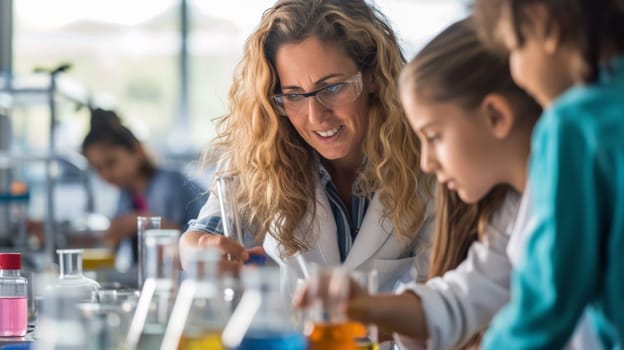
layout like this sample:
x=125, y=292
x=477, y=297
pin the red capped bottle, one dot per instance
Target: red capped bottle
x=13, y=297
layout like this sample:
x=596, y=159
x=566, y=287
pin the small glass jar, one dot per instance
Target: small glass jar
x=13, y=296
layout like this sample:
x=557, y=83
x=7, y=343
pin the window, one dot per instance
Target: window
x=125, y=53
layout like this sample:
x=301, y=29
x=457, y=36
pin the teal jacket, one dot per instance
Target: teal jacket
x=575, y=256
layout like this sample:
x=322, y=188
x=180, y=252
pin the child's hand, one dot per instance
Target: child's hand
x=398, y=313
x=360, y=309
x=306, y=292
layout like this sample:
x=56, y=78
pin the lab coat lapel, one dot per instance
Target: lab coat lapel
x=324, y=250
x=323, y=241
x=374, y=232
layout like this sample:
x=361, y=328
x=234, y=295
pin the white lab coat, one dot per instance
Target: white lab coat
x=376, y=245
x=463, y=302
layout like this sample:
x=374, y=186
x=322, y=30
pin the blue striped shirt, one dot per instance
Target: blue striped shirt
x=347, y=224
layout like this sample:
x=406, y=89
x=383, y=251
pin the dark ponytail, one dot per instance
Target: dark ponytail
x=107, y=130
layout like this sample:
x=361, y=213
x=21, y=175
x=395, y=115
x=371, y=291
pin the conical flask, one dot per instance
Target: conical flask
x=262, y=320
x=71, y=277
x=158, y=293
x=199, y=313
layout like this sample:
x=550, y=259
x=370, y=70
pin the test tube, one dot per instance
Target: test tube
x=228, y=204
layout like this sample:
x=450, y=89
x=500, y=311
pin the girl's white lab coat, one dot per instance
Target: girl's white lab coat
x=463, y=302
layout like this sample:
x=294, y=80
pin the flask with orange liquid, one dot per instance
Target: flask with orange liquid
x=326, y=326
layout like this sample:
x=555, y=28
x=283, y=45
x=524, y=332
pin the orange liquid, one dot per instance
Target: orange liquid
x=333, y=337
x=358, y=329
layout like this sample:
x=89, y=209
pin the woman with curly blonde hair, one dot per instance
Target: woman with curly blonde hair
x=326, y=163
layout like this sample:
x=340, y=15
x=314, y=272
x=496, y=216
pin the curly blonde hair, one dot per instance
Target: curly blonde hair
x=276, y=167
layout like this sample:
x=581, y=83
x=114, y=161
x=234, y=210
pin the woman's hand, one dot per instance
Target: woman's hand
x=257, y=255
x=234, y=254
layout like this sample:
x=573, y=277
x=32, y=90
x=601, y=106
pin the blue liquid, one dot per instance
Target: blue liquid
x=265, y=340
x=254, y=259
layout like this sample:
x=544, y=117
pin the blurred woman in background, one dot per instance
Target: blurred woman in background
x=145, y=189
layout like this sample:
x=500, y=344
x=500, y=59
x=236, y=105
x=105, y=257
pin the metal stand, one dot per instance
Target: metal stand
x=49, y=89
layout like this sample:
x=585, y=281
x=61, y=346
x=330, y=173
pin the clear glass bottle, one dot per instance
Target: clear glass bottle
x=13, y=296
x=159, y=290
x=71, y=277
x=262, y=319
x=199, y=313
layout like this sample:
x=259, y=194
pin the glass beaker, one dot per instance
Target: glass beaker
x=199, y=314
x=327, y=326
x=144, y=223
x=158, y=293
x=262, y=319
x=59, y=324
x=105, y=324
x=108, y=320
x=71, y=276
x=366, y=336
